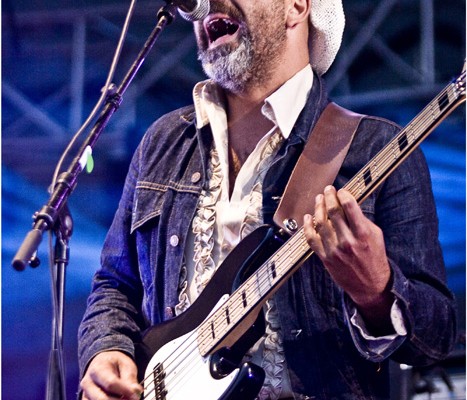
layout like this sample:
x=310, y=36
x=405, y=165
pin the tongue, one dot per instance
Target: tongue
x=221, y=27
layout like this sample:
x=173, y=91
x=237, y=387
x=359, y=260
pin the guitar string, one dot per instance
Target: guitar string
x=430, y=123
x=392, y=151
x=176, y=381
x=426, y=123
x=263, y=276
x=187, y=343
x=421, y=116
x=180, y=374
x=261, y=282
x=167, y=367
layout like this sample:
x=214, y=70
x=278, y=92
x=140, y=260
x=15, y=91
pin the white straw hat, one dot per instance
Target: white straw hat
x=327, y=26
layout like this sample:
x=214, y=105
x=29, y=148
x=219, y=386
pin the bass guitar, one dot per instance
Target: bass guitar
x=198, y=353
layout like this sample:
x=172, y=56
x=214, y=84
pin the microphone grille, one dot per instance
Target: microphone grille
x=200, y=12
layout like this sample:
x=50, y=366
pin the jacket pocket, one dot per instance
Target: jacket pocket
x=148, y=202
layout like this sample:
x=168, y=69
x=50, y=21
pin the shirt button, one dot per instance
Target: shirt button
x=226, y=247
x=169, y=312
x=195, y=177
x=174, y=240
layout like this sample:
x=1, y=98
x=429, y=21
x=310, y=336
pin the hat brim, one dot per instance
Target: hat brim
x=326, y=29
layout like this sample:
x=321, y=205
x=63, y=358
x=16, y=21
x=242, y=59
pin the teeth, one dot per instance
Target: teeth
x=220, y=27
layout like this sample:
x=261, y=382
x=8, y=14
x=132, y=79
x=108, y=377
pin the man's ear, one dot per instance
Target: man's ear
x=297, y=12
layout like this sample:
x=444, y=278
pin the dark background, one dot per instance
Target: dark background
x=396, y=56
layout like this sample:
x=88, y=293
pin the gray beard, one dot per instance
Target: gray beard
x=231, y=69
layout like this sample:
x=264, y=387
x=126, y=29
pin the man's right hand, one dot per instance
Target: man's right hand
x=111, y=375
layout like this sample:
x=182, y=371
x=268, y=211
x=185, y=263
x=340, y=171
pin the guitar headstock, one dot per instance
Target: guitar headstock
x=460, y=83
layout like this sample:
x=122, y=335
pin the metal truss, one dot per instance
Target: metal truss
x=54, y=62
x=420, y=78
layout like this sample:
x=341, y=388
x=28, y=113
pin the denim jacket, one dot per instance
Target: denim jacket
x=137, y=284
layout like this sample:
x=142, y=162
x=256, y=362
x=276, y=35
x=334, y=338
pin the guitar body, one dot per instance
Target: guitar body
x=169, y=354
x=188, y=372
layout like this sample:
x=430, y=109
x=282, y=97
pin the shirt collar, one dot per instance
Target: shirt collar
x=206, y=96
x=282, y=107
x=285, y=105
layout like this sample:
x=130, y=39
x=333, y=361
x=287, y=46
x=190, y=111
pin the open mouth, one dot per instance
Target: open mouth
x=220, y=29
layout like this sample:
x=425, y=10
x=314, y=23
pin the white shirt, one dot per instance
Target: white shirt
x=282, y=108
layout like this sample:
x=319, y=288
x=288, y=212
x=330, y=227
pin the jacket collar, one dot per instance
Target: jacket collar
x=316, y=102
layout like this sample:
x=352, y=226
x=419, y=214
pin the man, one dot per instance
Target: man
x=205, y=176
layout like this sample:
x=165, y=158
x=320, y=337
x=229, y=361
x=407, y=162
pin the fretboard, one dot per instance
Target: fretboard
x=267, y=279
x=397, y=150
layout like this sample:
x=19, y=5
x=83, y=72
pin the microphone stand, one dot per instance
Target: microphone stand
x=54, y=214
x=63, y=229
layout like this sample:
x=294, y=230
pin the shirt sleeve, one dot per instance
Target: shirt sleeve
x=403, y=207
x=375, y=347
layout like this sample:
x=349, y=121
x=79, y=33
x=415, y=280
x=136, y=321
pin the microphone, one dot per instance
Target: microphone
x=191, y=10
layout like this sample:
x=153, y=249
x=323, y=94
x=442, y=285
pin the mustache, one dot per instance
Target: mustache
x=223, y=8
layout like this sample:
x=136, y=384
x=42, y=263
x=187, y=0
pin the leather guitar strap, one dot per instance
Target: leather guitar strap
x=318, y=165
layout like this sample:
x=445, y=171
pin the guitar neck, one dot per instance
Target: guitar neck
x=260, y=286
x=406, y=141
x=267, y=279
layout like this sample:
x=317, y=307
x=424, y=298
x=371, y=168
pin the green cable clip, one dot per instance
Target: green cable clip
x=86, y=160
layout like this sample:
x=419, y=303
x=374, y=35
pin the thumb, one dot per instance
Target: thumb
x=129, y=374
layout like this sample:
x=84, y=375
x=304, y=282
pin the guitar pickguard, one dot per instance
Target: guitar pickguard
x=177, y=370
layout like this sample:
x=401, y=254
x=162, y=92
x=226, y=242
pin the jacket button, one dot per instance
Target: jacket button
x=169, y=312
x=195, y=177
x=174, y=240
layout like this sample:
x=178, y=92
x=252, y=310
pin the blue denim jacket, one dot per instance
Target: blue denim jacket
x=137, y=285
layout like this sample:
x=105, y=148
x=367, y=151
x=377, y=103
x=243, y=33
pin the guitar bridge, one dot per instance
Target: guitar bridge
x=158, y=383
